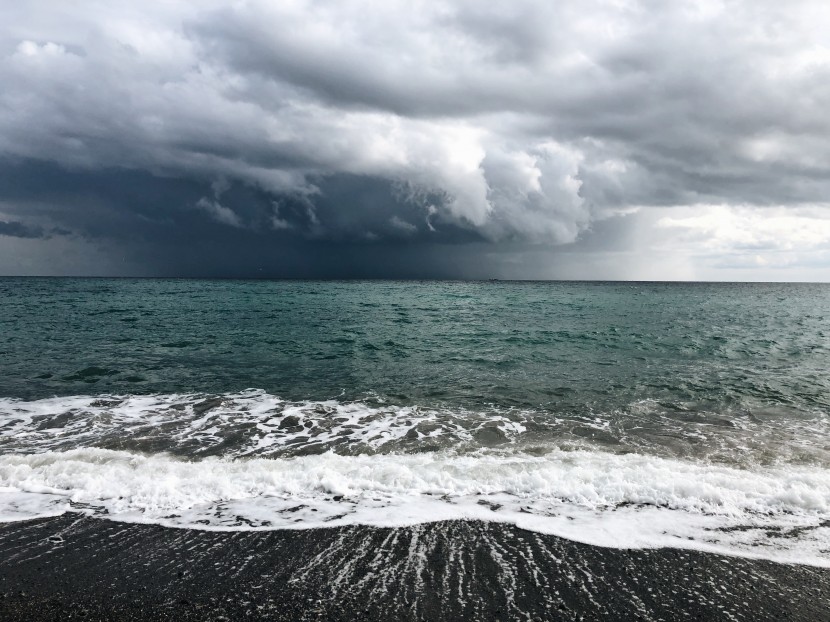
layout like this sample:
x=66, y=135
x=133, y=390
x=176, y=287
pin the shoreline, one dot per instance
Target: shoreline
x=73, y=566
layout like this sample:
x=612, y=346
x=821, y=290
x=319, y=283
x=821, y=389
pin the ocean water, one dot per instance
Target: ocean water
x=617, y=414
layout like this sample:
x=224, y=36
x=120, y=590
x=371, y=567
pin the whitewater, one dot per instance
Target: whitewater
x=253, y=461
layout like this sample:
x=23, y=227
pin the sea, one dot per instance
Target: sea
x=617, y=414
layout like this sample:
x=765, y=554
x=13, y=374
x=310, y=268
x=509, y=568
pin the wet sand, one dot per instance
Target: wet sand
x=74, y=567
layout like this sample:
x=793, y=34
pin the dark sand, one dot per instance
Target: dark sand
x=73, y=567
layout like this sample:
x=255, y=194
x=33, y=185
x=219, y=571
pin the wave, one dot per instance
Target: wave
x=601, y=498
x=255, y=423
x=247, y=423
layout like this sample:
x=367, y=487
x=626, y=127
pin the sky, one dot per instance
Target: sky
x=577, y=139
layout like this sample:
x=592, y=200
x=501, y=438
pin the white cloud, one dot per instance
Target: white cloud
x=399, y=223
x=219, y=212
x=726, y=229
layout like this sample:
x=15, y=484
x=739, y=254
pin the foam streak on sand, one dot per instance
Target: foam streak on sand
x=456, y=570
x=596, y=497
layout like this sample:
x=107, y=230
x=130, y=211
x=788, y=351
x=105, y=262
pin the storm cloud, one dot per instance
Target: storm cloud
x=531, y=140
x=19, y=230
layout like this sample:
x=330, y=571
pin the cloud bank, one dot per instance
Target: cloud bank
x=418, y=138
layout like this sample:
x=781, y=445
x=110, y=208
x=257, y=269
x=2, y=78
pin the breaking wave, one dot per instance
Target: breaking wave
x=596, y=497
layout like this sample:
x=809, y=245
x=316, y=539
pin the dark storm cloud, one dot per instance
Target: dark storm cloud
x=680, y=95
x=357, y=227
x=308, y=133
x=19, y=230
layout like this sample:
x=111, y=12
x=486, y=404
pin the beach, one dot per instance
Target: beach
x=75, y=567
x=415, y=311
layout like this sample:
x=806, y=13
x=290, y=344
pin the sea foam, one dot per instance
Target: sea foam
x=596, y=497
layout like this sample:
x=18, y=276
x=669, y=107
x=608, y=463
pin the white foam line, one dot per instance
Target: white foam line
x=179, y=416
x=591, y=496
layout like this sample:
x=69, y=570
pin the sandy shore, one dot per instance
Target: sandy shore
x=72, y=567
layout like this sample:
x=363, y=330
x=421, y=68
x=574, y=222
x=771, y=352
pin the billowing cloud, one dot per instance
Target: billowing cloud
x=511, y=133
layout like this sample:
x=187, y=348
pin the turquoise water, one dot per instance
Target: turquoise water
x=546, y=345
x=726, y=354
x=592, y=395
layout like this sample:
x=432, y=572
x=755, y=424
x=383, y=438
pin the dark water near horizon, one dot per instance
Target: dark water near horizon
x=523, y=344
x=641, y=414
